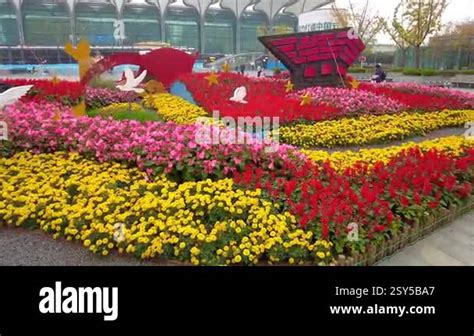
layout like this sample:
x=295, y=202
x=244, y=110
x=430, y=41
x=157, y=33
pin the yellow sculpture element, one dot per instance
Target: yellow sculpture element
x=57, y=115
x=82, y=54
x=154, y=87
x=226, y=67
x=55, y=80
x=213, y=79
x=306, y=99
x=354, y=84
x=80, y=110
x=289, y=87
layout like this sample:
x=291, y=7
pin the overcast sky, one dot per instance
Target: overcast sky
x=458, y=10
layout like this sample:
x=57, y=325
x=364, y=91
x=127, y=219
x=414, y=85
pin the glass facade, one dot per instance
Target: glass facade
x=8, y=24
x=53, y=23
x=141, y=24
x=46, y=23
x=95, y=22
x=251, y=25
x=219, y=31
x=182, y=27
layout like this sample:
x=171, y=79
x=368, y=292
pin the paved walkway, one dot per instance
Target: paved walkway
x=452, y=245
x=23, y=247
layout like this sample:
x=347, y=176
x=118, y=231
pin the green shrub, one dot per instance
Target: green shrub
x=396, y=69
x=432, y=72
x=412, y=72
x=357, y=70
x=100, y=83
x=123, y=113
x=276, y=71
x=429, y=72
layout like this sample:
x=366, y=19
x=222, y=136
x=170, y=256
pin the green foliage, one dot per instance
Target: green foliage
x=397, y=69
x=433, y=72
x=357, y=70
x=100, y=83
x=6, y=148
x=276, y=71
x=143, y=115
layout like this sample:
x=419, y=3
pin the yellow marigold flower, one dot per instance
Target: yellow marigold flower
x=176, y=109
x=371, y=128
x=321, y=255
x=340, y=161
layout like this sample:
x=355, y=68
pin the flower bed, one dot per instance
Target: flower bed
x=109, y=206
x=371, y=129
x=101, y=97
x=266, y=98
x=351, y=102
x=409, y=236
x=381, y=200
x=153, y=147
x=64, y=92
x=125, y=111
x=422, y=98
x=152, y=190
x=175, y=109
x=340, y=161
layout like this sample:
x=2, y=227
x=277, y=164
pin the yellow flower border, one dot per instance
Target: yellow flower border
x=111, y=207
x=340, y=161
x=174, y=108
x=371, y=129
x=111, y=109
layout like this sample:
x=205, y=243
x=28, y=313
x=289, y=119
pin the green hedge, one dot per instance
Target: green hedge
x=358, y=70
x=432, y=72
x=414, y=71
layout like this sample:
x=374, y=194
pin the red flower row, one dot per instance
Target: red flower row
x=65, y=92
x=417, y=100
x=266, y=98
x=380, y=201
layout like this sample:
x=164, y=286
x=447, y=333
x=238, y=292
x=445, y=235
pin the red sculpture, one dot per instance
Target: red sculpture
x=316, y=58
x=165, y=64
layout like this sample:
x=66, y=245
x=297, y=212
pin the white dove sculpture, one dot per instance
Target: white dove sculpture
x=239, y=95
x=13, y=95
x=132, y=82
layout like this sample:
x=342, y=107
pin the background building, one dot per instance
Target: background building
x=210, y=26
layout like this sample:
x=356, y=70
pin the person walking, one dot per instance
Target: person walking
x=380, y=76
x=242, y=69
